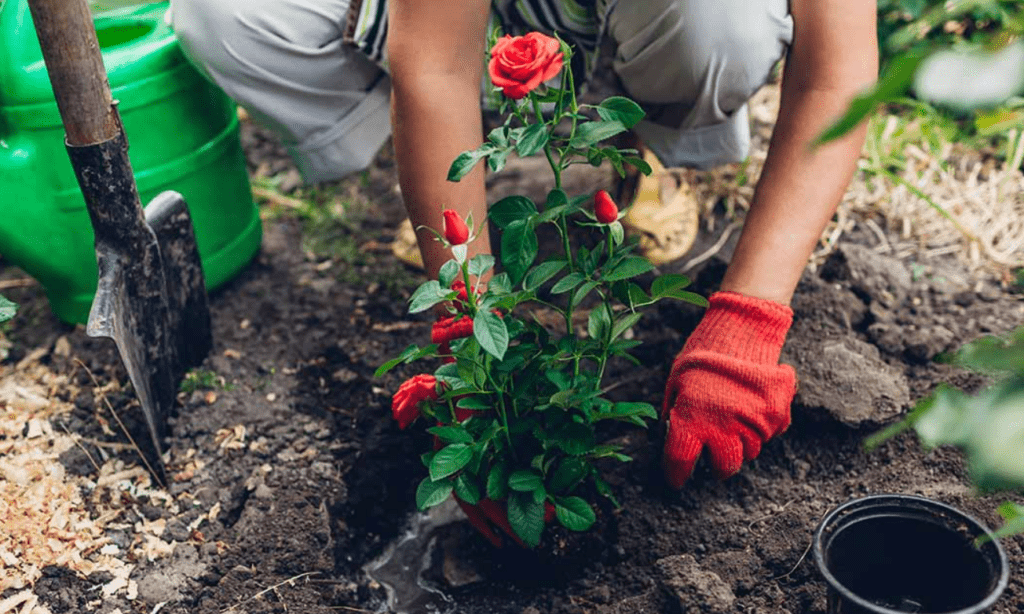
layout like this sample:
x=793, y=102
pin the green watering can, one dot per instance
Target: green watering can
x=183, y=135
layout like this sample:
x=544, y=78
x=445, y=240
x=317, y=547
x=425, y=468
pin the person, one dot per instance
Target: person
x=335, y=78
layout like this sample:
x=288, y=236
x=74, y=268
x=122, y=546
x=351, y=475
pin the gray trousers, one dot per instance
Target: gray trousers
x=692, y=64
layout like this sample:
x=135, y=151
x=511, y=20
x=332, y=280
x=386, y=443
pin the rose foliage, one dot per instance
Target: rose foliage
x=518, y=404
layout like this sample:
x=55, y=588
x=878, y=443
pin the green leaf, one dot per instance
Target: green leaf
x=500, y=284
x=568, y=282
x=499, y=136
x=511, y=209
x=7, y=309
x=466, y=160
x=605, y=490
x=639, y=164
x=480, y=264
x=1013, y=514
x=497, y=482
x=895, y=82
x=583, y=291
x=467, y=489
x=518, y=249
x=617, y=232
x=526, y=516
x=637, y=296
x=621, y=109
x=574, y=438
x=533, y=140
x=599, y=323
x=426, y=296
x=556, y=198
x=562, y=397
x=451, y=434
x=942, y=418
x=993, y=355
x=491, y=333
x=449, y=460
x=629, y=267
x=525, y=481
x=570, y=473
x=542, y=273
x=449, y=271
x=430, y=493
x=593, y=132
x=625, y=323
x=496, y=161
x=668, y=283
x=476, y=403
x=631, y=409
x=409, y=354
x=690, y=297
x=574, y=513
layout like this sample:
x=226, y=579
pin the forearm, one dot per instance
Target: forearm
x=834, y=56
x=430, y=130
x=798, y=193
x=436, y=52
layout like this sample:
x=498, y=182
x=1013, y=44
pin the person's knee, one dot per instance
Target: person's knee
x=202, y=28
x=733, y=56
x=231, y=37
x=682, y=51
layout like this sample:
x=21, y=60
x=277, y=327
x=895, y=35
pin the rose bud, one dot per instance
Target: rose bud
x=521, y=63
x=455, y=230
x=604, y=208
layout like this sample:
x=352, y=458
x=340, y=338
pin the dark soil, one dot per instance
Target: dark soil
x=325, y=480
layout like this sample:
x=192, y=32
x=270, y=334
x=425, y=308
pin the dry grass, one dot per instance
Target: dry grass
x=918, y=192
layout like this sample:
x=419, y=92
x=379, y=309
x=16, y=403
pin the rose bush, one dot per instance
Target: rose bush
x=517, y=405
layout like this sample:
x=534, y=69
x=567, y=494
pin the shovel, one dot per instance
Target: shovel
x=151, y=296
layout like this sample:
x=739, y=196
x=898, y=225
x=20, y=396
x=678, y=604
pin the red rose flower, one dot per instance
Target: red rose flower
x=604, y=208
x=519, y=64
x=455, y=230
x=405, y=403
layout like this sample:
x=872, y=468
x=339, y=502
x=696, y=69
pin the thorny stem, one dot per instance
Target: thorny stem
x=470, y=298
x=502, y=411
x=555, y=168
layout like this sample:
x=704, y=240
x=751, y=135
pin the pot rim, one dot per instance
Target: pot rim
x=817, y=545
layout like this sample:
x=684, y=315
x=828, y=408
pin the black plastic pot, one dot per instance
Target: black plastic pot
x=897, y=554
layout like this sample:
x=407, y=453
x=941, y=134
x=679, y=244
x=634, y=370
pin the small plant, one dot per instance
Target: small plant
x=199, y=379
x=514, y=406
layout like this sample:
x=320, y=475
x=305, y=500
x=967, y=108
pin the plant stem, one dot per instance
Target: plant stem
x=470, y=295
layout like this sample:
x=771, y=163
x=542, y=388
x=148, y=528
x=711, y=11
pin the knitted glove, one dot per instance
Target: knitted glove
x=727, y=393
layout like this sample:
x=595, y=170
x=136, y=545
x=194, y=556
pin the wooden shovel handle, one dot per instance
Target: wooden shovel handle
x=72, y=55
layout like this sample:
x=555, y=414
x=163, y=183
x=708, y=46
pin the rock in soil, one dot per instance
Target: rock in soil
x=847, y=379
x=694, y=588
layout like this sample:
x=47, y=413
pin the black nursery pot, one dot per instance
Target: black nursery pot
x=895, y=554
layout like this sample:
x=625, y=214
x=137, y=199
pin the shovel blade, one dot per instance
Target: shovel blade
x=188, y=309
x=151, y=297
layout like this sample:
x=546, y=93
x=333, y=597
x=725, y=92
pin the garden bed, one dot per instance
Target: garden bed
x=289, y=476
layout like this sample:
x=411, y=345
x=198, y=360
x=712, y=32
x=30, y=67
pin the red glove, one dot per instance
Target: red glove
x=726, y=390
x=487, y=514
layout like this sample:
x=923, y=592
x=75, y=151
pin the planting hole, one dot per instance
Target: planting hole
x=909, y=564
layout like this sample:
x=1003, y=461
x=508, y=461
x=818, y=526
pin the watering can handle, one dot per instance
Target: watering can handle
x=71, y=51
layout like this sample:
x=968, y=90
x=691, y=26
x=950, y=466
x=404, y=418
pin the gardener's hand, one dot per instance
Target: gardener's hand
x=727, y=393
